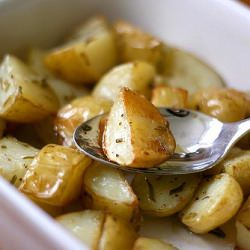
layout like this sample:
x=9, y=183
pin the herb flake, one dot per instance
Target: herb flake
x=177, y=189
x=151, y=191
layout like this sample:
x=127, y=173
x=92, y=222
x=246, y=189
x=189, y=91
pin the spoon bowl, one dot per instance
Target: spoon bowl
x=202, y=142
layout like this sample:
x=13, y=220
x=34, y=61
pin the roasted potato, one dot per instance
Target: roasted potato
x=164, y=96
x=136, y=75
x=225, y=104
x=15, y=159
x=85, y=225
x=215, y=202
x=89, y=53
x=243, y=225
x=164, y=195
x=25, y=95
x=144, y=243
x=184, y=70
x=134, y=44
x=117, y=197
x=136, y=134
x=238, y=167
x=55, y=175
x=77, y=112
x=64, y=91
x=117, y=234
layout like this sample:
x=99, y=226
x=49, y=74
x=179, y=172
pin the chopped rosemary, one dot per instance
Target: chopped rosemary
x=177, y=189
x=150, y=190
x=13, y=179
x=86, y=127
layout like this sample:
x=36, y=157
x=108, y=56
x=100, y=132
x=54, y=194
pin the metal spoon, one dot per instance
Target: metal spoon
x=202, y=141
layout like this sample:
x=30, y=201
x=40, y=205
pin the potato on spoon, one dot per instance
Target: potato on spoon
x=136, y=134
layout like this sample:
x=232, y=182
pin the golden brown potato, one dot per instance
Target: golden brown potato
x=77, y=112
x=136, y=75
x=164, y=96
x=64, y=91
x=144, y=243
x=136, y=134
x=184, y=70
x=25, y=95
x=215, y=202
x=238, y=167
x=89, y=53
x=55, y=175
x=164, y=195
x=117, y=234
x=107, y=189
x=225, y=104
x=134, y=44
x=15, y=159
x=85, y=225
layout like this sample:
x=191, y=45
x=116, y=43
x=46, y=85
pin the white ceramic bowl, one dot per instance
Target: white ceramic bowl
x=218, y=31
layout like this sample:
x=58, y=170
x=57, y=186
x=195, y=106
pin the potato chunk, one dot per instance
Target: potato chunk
x=243, y=226
x=85, y=225
x=225, y=104
x=164, y=195
x=64, y=91
x=134, y=44
x=216, y=201
x=164, y=96
x=238, y=167
x=15, y=159
x=117, y=234
x=144, y=243
x=89, y=53
x=136, y=134
x=117, y=197
x=77, y=112
x=184, y=70
x=55, y=175
x=136, y=75
x=24, y=95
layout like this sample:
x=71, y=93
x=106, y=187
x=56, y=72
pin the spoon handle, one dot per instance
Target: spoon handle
x=243, y=127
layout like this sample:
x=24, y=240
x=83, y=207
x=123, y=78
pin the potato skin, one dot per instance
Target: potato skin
x=80, y=60
x=137, y=76
x=118, y=197
x=162, y=196
x=77, y=112
x=25, y=95
x=216, y=201
x=55, y=175
x=134, y=44
x=164, y=96
x=225, y=104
